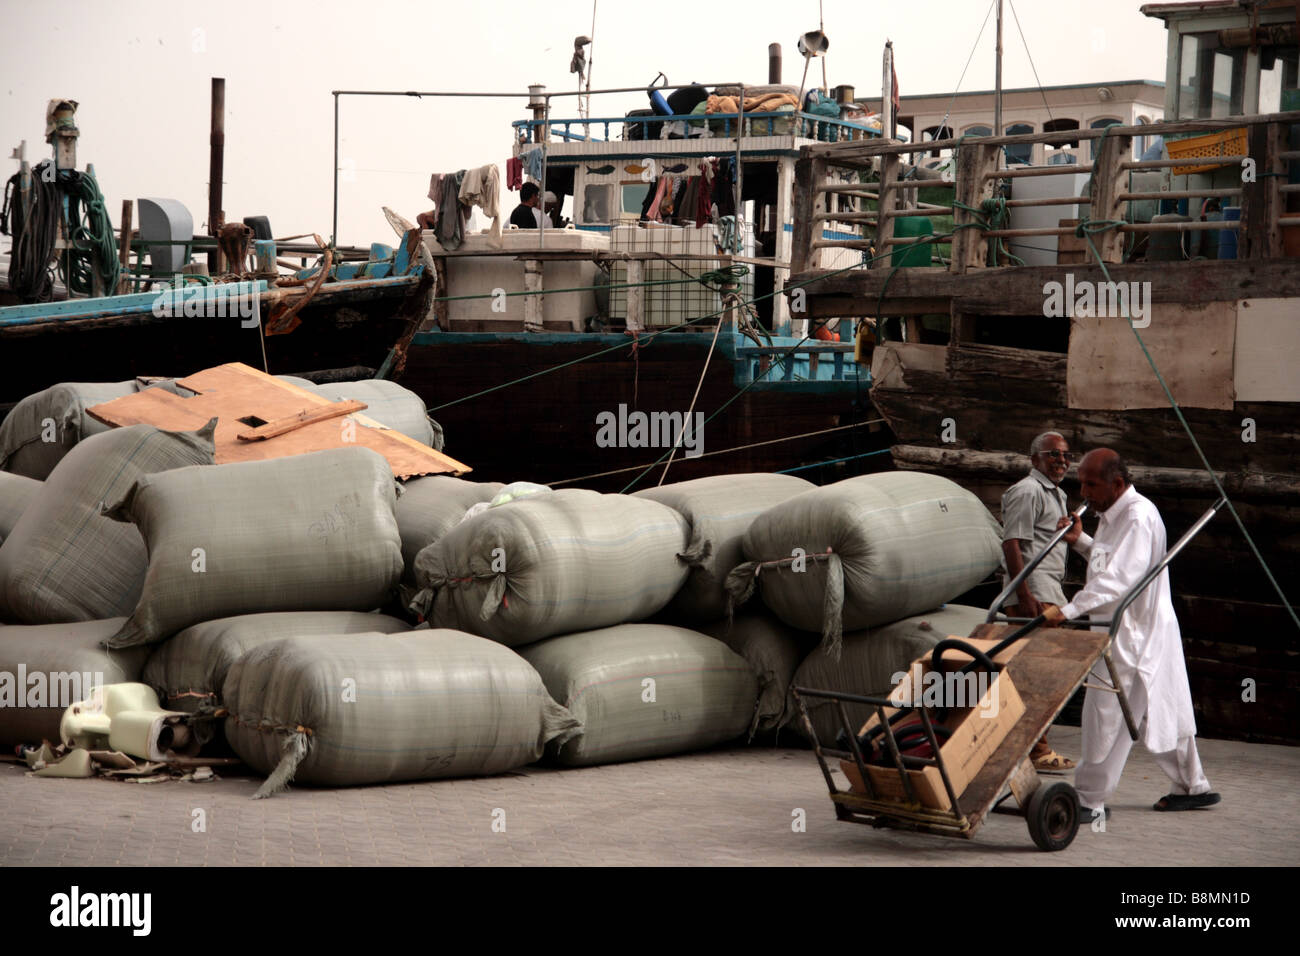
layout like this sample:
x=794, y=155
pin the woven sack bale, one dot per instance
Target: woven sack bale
x=644, y=690
x=868, y=663
x=431, y=506
x=69, y=661
x=553, y=563
x=774, y=650
x=866, y=551
x=46, y=425
x=16, y=493
x=188, y=670
x=334, y=710
x=64, y=561
x=720, y=510
x=311, y=532
x=389, y=404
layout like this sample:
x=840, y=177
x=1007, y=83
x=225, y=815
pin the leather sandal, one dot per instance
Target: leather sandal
x=1052, y=762
x=1186, y=801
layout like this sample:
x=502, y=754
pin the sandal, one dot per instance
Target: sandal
x=1052, y=762
x=1186, y=801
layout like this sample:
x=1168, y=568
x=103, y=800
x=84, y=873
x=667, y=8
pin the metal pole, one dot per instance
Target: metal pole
x=546, y=137
x=887, y=90
x=1028, y=569
x=997, y=96
x=740, y=174
x=334, y=233
x=216, y=162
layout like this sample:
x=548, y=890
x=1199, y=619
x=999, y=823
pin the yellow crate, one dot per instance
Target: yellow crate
x=1229, y=142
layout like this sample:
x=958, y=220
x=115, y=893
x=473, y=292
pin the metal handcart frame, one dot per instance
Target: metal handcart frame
x=1047, y=672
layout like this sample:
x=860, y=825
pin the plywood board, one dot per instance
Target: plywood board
x=1268, y=345
x=1191, y=344
x=241, y=398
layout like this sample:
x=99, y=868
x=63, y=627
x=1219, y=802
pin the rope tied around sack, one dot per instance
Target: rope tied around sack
x=743, y=579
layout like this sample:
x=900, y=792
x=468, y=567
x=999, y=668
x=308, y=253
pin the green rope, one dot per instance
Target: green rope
x=92, y=236
x=1087, y=229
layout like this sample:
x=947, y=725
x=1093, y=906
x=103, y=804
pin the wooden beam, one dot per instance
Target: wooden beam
x=308, y=416
x=124, y=249
x=1109, y=181
x=969, y=243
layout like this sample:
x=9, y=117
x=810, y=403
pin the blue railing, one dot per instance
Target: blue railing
x=810, y=126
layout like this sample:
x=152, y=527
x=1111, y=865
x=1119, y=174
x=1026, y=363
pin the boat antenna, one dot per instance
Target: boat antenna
x=590, y=47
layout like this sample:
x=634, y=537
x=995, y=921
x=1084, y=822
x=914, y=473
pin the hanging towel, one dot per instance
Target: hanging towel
x=482, y=187
x=653, y=213
x=450, y=230
x=532, y=161
x=514, y=173
x=435, y=188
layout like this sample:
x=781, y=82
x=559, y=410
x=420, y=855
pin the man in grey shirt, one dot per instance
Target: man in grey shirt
x=1031, y=509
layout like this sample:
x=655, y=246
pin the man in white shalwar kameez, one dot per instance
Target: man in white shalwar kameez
x=1148, y=649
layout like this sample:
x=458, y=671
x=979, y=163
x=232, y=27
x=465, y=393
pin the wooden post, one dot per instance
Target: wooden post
x=974, y=185
x=780, y=279
x=1263, y=202
x=124, y=249
x=808, y=171
x=635, y=296
x=888, y=202
x=216, y=162
x=1109, y=180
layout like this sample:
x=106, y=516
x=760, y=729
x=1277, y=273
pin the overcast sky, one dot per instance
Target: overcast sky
x=141, y=72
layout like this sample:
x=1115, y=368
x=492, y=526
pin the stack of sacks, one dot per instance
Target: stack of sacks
x=720, y=510
x=866, y=551
x=553, y=563
x=64, y=561
x=644, y=690
x=375, y=708
x=188, y=670
x=431, y=506
x=389, y=404
x=312, y=532
x=869, y=663
x=46, y=668
x=16, y=493
x=774, y=651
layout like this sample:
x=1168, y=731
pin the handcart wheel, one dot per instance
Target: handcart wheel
x=1053, y=816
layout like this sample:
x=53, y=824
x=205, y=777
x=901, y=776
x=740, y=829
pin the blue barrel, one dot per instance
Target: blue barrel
x=1228, y=237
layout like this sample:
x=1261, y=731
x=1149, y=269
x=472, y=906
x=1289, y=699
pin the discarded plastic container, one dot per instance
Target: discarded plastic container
x=915, y=255
x=1228, y=237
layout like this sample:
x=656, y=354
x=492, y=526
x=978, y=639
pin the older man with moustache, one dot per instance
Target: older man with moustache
x=1031, y=510
x=1148, y=649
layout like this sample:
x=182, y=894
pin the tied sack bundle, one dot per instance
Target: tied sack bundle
x=16, y=493
x=389, y=404
x=720, y=510
x=45, y=668
x=307, y=533
x=644, y=690
x=866, y=551
x=46, y=425
x=868, y=664
x=64, y=561
x=553, y=563
x=335, y=710
x=431, y=506
x=189, y=669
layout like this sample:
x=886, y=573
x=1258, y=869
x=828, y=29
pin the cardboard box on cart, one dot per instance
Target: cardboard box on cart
x=977, y=730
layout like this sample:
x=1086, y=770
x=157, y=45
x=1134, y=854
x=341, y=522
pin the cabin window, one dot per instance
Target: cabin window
x=1023, y=152
x=1211, y=78
x=597, y=203
x=979, y=131
x=1278, y=69
x=937, y=132
x=634, y=197
x=1101, y=124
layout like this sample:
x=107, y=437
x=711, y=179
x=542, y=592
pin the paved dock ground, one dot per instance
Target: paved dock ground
x=724, y=807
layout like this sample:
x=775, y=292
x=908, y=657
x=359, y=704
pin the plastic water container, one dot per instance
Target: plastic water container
x=1228, y=237
x=917, y=255
x=1166, y=246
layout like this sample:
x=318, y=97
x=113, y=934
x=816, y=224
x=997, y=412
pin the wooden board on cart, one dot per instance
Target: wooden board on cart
x=241, y=399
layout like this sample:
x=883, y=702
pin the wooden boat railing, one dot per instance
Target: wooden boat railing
x=981, y=169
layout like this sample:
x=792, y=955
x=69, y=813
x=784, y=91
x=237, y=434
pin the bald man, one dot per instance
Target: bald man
x=1148, y=649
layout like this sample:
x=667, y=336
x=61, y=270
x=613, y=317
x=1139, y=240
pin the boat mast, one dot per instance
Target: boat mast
x=997, y=95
